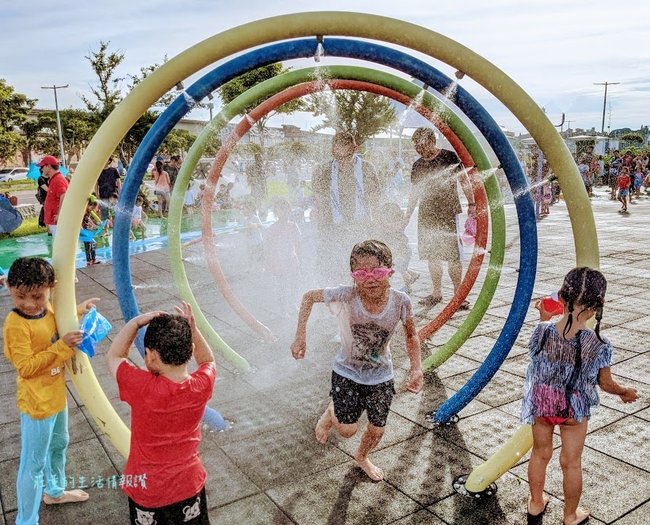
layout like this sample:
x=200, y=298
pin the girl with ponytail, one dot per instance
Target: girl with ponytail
x=568, y=362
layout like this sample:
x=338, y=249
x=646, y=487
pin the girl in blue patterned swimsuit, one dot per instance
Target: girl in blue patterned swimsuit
x=568, y=361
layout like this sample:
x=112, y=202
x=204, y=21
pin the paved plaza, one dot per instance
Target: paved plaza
x=269, y=469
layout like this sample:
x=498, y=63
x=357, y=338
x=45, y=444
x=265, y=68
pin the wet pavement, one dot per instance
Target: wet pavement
x=269, y=469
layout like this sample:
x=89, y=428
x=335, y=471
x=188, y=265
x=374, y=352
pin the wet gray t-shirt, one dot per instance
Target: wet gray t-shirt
x=364, y=356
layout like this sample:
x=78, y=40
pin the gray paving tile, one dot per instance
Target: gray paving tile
x=226, y=483
x=8, y=409
x=254, y=510
x=615, y=402
x=627, y=339
x=416, y=406
x=636, y=368
x=423, y=517
x=484, y=433
x=342, y=494
x=283, y=454
x=503, y=388
x=637, y=516
x=631, y=430
x=644, y=414
x=424, y=467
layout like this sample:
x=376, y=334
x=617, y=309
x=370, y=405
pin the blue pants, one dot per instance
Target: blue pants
x=44, y=443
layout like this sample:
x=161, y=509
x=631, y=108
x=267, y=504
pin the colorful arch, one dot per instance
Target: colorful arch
x=258, y=33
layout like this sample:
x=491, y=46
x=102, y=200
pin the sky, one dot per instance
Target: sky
x=554, y=49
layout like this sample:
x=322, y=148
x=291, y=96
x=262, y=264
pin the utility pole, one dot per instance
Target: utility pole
x=602, y=127
x=568, y=125
x=58, y=119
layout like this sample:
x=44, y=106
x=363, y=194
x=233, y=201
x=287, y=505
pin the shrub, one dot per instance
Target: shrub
x=28, y=227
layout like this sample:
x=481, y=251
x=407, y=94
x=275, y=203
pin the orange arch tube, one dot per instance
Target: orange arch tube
x=310, y=87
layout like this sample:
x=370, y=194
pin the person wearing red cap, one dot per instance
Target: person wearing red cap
x=58, y=186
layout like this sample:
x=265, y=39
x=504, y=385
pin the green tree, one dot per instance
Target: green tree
x=231, y=90
x=177, y=142
x=362, y=114
x=135, y=135
x=78, y=127
x=634, y=137
x=40, y=135
x=14, y=110
x=107, y=94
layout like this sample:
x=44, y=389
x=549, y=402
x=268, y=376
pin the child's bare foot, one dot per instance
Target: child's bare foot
x=323, y=427
x=68, y=496
x=373, y=471
x=581, y=517
x=537, y=510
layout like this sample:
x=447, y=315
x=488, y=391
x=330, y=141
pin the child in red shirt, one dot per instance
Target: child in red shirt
x=624, y=180
x=164, y=476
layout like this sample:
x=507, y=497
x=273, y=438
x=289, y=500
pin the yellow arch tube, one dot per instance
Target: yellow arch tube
x=258, y=33
x=501, y=461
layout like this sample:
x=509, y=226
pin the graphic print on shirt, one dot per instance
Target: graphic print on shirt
x=56, y=370
x=368, y=343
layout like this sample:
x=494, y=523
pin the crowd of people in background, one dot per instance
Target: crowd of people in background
x=624, y=174
x=340, y=199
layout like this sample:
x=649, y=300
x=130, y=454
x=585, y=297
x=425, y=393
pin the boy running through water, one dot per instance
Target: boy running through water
x=362, y=377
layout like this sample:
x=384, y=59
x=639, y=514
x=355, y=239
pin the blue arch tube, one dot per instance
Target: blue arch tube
x=424, y=72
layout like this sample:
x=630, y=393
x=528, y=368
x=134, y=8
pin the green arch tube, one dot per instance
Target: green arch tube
x=281, y=82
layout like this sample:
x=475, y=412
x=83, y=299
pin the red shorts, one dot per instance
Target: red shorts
x=554, y=420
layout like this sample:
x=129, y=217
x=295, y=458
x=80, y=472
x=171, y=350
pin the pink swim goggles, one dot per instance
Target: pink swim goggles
x=378, y=274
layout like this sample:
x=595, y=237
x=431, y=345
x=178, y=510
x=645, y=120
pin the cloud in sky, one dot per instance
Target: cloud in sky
x=554, y=49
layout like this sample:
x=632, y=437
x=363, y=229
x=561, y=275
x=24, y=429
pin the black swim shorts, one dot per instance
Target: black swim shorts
x=351, y=399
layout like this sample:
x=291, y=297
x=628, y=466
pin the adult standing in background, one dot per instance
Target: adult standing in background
x=57, y=187
x=41, y=194
x=162, y=187
x=434, y=180
x=172, y=168
x=347, y=195
x=108, y=184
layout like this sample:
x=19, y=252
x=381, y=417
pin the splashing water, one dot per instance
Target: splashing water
x=320, y=51
x=531, y=188
x=450, y=91
x=486, y=174
x=189, y=100
x=152, y=286
x=415, y=102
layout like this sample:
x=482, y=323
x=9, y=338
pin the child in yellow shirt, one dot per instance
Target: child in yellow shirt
x=32, y=345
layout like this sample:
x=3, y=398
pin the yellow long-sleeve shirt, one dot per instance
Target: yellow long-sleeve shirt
x=34, y=348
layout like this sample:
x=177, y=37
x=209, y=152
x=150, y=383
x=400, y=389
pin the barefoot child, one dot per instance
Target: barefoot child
x=568, y=362
x=624, y=181
x=32, y=345
x=137, y=219
x=362, y=375
x=167, y=404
